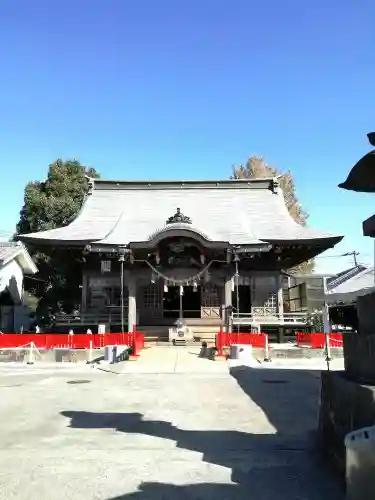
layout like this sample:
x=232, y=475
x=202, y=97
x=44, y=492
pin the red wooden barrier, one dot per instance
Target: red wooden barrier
x=317, y=340
x=304, y=339
x=224, y=339
x=76, y=341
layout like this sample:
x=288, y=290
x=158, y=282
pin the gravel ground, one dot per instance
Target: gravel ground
x=169, y=426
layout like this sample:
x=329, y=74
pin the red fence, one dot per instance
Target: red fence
x=224, y=339
x=76, y=341
x=318, y=341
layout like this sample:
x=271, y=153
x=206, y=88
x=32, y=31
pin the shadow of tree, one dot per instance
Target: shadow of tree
x=283, y=465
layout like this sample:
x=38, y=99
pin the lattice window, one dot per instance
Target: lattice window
x=106, y=296
x=105, y=266
x=211, y=295
x=271, y=301
x=152, y=296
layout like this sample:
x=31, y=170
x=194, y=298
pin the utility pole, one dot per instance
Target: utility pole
x=326, y=324
x=354, y=254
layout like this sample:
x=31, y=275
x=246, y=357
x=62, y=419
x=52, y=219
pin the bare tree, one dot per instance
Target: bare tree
x=256, y=168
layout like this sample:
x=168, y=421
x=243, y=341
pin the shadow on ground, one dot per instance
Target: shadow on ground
x=281, y=466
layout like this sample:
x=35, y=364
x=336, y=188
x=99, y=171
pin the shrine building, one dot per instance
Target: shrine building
x=208, y=251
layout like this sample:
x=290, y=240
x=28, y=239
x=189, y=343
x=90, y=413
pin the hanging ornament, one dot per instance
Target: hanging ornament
x=195, y=286
x=181, y=290
x=232, y=280
x=157, y=259
x=165, y=287
x=153, y=278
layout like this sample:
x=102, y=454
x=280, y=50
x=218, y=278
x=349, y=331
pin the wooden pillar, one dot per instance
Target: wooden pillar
x=228, y=303
x=84, y=292
x=132, y=304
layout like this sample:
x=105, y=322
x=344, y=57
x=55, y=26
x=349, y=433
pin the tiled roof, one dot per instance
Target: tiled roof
x=16, y=250
x=238, y=212
x=360, y=284
x=343, y=276
x=8, y=250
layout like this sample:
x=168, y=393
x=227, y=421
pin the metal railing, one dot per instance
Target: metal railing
x=109, y=315
x=186, y=313
x=272, y=319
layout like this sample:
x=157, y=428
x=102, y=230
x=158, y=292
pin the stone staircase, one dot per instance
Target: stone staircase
x=160, y=334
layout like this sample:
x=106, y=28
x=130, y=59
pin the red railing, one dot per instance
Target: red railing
x=224, y=339
x=76, y=341
x=318, y=341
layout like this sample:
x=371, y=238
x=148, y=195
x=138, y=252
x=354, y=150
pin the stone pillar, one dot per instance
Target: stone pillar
x=132, y=304
x=280, y=298
x=228, y=303
x=280, y=306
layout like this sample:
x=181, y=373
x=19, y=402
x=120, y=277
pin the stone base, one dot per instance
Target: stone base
x=345, y=406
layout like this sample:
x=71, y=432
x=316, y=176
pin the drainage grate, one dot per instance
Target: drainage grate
x=79, y=382
x=275, y=381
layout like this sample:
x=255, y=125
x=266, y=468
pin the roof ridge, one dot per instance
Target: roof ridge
x=10, y=244
x=347, y=275
x=265, y=184
x=172, y=181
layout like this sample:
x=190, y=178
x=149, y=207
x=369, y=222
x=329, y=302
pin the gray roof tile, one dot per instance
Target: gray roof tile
x=239, y=212
x=361, y=284
x=16, y=250
x=8, y=250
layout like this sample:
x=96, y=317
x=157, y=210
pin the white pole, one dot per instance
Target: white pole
x=90, y=352
x=326, y=323
x=31, y=357
x=266, y=349
x=181, y=312
x=122, y=293
x=237, y=294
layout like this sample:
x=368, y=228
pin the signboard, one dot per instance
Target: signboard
x=101, y=329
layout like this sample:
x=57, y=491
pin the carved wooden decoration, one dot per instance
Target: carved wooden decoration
x=179, y=218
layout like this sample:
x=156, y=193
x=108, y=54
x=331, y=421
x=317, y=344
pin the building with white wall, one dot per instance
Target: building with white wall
x=15, y=262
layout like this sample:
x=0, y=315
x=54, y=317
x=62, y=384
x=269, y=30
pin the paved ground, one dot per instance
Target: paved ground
x=169, y=426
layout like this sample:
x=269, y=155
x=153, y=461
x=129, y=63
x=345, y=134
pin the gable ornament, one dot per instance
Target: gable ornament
x=178, y=218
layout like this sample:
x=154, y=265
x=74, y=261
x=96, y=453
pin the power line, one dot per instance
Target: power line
x=354, y=254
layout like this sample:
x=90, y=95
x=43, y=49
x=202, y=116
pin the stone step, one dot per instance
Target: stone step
x=159, y=333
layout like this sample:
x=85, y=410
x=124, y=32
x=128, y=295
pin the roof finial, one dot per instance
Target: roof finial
x=371, y=138
x=275, y=185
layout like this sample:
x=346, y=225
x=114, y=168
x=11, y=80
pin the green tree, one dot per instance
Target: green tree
x=256, y=168
x=54, y=203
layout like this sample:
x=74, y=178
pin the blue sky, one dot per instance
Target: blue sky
x=184, y=89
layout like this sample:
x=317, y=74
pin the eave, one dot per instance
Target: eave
x=369, y=227
x=361, y=178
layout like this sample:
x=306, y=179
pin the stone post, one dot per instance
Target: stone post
x=132, y=304
x=280, y=305
x=280, y=297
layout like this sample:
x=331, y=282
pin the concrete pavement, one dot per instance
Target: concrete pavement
x=168, y=426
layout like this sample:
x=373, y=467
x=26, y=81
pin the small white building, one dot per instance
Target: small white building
x=15, y=262
x=346, y=291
